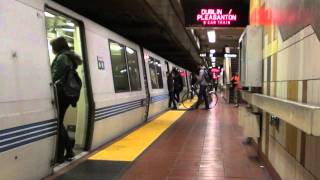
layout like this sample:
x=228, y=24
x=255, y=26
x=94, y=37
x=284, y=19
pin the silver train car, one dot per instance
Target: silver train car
x=124, y=85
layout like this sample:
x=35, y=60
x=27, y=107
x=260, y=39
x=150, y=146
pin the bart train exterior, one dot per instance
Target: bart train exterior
x=124, y=85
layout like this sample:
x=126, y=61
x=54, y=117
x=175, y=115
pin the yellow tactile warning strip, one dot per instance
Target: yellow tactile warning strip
x=131, y=146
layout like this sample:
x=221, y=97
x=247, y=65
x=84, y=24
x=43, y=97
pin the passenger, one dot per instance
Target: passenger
x=178, y=84
x=64, y=60
x=170, y=83
x=235, y=81
x=193, y=83
x=203, y=86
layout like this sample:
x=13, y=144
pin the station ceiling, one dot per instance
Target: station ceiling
x=155, y=25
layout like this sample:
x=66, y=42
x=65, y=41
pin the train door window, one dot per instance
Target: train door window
x=155, y=73
x=159, y=74
x=167, y=65
x=119, y=67
x=133, y=67
x=76, y=118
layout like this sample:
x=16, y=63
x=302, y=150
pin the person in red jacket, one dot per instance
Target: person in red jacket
x=235, y=80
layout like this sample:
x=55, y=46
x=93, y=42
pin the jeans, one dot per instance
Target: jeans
x=236, y=96
x=177, y=95
x=172, y=100
x=64, y=142
x=202, y=95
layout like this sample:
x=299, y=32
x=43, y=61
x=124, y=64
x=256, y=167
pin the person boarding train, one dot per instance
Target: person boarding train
x=65, y=61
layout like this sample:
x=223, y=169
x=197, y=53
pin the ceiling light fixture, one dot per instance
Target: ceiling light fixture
x=49, y=15
x=230, y=55
x=115, y=47
x=203, y=55
x=71, y=24
x=67, y=29
x=212, y=51
x=129, y=50
x=212, y=36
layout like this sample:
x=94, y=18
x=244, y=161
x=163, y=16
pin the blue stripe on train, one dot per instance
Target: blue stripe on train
x=109, y=111
x=105, y=112
x=25, y=134
x=159, y=98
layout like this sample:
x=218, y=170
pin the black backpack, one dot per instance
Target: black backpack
x=72, y=86
x=207, y=75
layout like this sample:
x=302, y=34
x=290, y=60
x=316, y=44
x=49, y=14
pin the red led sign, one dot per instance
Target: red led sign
x=216, y=17
x=216, y=13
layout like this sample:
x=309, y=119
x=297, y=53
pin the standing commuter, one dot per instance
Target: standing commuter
x=63, y=62
x=203, y=86
x=235, y=80
x=170, y=83
x=178, y=84
x=193, y=84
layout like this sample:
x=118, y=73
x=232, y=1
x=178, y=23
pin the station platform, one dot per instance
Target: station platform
x=197, y=144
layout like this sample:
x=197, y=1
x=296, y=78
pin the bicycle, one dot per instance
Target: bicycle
x=192, y=96
x=212, y=95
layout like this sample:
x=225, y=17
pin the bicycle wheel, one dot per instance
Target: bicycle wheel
x=214, y=99
x=188, y=99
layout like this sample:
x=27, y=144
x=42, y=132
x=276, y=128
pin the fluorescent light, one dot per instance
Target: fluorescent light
x=49, y=15
x=192, y=31
x=129, y=50
x=230, y=55
x=212, y=36
x=123, y=71
x=71, y=24
x=115, y=47
x=67, y=29
x=203, y=55
x=212, y=51
x=213, y=59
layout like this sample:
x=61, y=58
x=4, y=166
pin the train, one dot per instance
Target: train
x=124, y=86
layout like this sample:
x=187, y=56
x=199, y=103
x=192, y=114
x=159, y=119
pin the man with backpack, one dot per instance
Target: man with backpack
x=203, y=80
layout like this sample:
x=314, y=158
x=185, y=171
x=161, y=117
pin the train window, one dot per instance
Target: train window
x=133, y=67
x=119, y=67
x=159, y=74
x=155, y=73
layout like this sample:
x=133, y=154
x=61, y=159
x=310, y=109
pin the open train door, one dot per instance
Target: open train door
x=145, y=78
x=78, y=120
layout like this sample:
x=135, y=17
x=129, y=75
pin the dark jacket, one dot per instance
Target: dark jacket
x=170, y=83
x=178, y=82
x=193, y=79
x=62, y=63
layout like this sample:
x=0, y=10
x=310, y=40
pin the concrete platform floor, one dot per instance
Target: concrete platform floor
x=204, y=145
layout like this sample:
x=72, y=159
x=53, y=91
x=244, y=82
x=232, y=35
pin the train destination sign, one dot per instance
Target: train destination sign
x=216, y=17
x=216, y=13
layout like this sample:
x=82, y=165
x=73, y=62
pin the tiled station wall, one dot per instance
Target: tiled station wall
x=291, y=71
